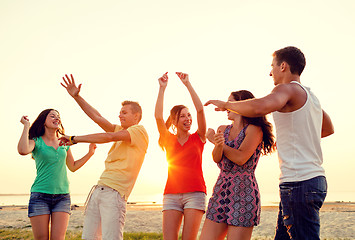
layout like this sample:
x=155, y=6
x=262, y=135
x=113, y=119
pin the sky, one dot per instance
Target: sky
x=118, y=49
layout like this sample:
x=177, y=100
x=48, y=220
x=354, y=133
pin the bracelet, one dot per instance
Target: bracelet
x=71, y=140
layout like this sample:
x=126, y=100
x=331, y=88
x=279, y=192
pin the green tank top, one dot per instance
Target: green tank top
x=51, y=168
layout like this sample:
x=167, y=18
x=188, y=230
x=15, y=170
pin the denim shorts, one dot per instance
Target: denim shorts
x=181, y=201
x=299, y=209
x=44, y=203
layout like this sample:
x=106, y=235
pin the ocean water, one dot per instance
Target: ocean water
x=79, y=199
x=267, y=199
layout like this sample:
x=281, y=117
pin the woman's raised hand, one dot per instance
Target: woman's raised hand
x=163, y=80
x=25, y=121
x=184, y=77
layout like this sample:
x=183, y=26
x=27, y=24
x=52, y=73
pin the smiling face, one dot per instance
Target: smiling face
x=127, y=117
x=53, y=120
x=184, y=120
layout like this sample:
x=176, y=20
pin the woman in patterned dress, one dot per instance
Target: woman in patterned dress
x=234, y=208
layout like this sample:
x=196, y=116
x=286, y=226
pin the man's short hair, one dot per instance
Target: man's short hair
x=136, y=108
x=293, y=57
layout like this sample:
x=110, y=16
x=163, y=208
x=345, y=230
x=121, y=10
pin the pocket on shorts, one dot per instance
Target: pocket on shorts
x=35, y=196
x=38, y=204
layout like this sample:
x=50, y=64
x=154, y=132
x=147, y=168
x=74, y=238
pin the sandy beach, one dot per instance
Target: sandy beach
x=337, y=219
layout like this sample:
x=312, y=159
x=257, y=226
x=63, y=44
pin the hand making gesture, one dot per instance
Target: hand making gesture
x=66, y=141
x=220, y=105
x=69, y=85
x=184, y=77
x=25, y=121
x=163, y=80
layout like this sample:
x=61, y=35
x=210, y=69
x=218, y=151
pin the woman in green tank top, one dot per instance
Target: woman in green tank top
x=50, y=199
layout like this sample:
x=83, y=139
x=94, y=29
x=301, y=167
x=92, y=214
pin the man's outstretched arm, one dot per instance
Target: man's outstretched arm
x=122, y=135
x=257, y=107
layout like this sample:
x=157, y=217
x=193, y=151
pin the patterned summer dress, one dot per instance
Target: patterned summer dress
x=236, y=199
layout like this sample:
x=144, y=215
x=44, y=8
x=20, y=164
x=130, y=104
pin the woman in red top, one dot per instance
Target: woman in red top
x=185, y=190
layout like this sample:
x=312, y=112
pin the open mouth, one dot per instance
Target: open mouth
x=187, y=124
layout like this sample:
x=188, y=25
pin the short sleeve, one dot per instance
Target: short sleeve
x=139, y=137
x=37, y=146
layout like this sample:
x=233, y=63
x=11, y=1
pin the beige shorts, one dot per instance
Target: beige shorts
x=181, y=201
x=105, y=214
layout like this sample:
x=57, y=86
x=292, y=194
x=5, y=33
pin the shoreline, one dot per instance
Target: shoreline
x=152, y=206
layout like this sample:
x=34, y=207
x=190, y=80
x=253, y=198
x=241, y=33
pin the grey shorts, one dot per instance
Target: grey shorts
x=181, y=201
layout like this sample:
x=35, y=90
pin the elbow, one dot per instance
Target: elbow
x=239, y=162
x=72, y=168
x=216, y=159
x=327, y=129
x=328, y=132
x=22, y=152
x=238, y=158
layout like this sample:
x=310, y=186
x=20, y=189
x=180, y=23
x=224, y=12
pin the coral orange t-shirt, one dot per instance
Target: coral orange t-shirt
x=185, y=165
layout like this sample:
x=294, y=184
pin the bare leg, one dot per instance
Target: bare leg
x=213, y=231
x=40, y=227
x=192, y=221
x=171, y=224
x=242, y=233
x=59, y=224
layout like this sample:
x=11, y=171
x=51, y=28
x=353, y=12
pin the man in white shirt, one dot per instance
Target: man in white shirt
x=300, y=124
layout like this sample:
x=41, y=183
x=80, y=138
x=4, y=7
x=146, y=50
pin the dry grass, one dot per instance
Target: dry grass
x=26, y=233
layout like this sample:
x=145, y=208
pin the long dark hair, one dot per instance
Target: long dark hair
x=268, y=143
x=37, y=128
x=173, y=117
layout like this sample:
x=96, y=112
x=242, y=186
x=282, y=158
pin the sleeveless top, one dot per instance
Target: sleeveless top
x=298, y=135
x=236, y=197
